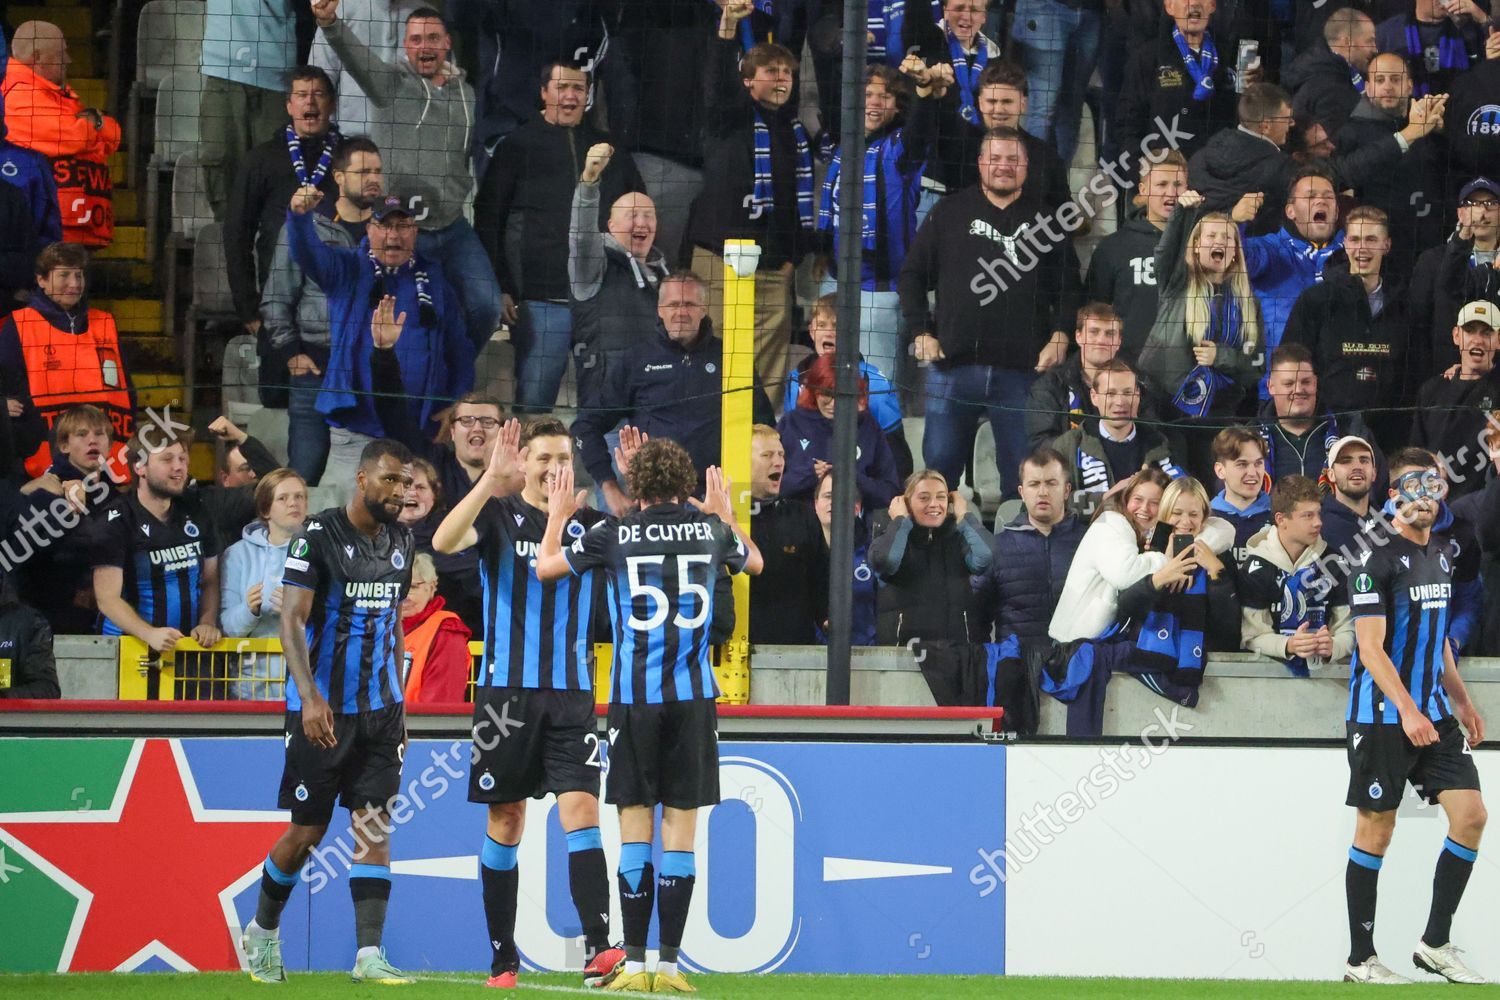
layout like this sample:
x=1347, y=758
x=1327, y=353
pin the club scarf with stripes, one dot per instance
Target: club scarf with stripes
x=763, y=194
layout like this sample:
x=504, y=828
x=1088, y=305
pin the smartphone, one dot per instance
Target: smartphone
x=1249, y=55
x=1180, y=542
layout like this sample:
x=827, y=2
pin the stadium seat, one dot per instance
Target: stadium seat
x=190, y=212
x=169, y=37
x=211, y=297
x=241, y=384
x=176, y=135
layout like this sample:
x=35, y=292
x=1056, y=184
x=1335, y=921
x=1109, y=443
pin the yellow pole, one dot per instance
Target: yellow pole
x=740, y=259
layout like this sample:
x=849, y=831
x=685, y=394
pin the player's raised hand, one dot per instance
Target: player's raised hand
x=715, y=495
x=562, y=502
x=506, y=457
x=631, y=439
x=385, y=324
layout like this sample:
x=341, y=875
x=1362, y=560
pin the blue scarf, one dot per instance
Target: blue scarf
x=886, y=23
x=828, y=205
x=1171, y=639
x=294, y=150
x=1195, y=397
x=1200, y=67
x=1356, y=78
x=428, y=311
x=763, y=194
x=1298, y=598
x=1268, y=434
x=1452, y=56
x=967, y=76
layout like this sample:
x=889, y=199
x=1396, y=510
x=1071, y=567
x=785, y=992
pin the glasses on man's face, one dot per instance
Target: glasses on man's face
x=488, y=423
x=1474, y=203
x=397, y=227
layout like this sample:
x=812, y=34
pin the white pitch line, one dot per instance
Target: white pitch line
x=522, y=984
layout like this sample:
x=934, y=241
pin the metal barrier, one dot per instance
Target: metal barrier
x=255, y=670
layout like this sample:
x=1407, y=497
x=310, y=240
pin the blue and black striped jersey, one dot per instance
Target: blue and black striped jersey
x=162, y=561
x=358, y=583
x=1412, y=587
x=536, y=635
x=662, y=564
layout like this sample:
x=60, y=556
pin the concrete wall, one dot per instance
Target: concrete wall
x=1243, y=695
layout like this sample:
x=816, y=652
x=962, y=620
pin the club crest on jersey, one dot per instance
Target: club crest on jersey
x=190, y=529
x=486, y=782
x=710, y=367
x=1443, y=562
x=398, y=560
x=575, y=529
x=1375, y=790
x=301, y=792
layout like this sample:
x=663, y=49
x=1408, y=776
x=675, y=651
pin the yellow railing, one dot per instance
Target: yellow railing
x=252, y=670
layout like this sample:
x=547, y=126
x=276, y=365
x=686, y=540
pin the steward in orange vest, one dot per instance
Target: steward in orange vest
x=57, y=353
x=437, y=645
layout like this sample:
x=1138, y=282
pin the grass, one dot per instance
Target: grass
x=316, y=986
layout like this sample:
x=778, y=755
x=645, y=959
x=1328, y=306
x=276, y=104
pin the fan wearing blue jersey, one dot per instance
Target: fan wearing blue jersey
x=156, y=572
x=534, y=729
x=661, y=562
x=1406, y=706
x=346, y=573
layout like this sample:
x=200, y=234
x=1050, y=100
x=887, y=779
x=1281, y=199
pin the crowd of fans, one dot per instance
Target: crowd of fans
x=1295, y=307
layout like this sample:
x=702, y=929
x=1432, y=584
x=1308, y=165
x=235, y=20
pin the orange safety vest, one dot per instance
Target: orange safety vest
x=65, y=369
x=418, y=644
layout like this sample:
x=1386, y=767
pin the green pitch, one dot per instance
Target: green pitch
x=333, y=986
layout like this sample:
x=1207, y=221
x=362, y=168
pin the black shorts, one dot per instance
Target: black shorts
x=1382, y=760
x=667, y=754
x=362, y=769
x=528, y=742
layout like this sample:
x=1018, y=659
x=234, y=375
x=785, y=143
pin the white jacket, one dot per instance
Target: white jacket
x=1108, y=561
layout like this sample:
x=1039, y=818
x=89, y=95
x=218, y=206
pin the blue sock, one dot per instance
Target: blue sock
x=497, y=856
x=634, y=857
x=676, y=864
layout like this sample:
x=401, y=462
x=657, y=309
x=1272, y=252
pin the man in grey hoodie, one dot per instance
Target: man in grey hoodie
x=422, y=116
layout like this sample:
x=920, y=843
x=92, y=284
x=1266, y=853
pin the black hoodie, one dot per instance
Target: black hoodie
x=1122, y=272
x=1321, y=87
x=27, y=666
x=1413, y=192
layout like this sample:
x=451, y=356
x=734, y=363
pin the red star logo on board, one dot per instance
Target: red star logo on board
x=135, y=903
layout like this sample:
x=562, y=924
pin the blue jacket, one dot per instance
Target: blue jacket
x=1025, y=579
x=251, y=560
x=32, y=173
x=665, y=390
x=807, y=436
x=885, y=404
x=437, y=362
x=1282, y=266
x=862, y=611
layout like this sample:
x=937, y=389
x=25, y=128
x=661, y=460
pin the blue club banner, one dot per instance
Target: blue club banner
x=821, y=858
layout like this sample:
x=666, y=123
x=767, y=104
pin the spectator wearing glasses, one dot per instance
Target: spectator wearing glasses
x=388, y=306
x=1449, y=276
x=295, y=310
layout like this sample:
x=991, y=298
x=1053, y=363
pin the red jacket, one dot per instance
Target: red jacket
x=43, y=116
x=438, y=644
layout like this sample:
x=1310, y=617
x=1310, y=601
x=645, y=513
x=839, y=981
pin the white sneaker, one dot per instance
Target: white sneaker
x=1444, y=962
x=1373, y=971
